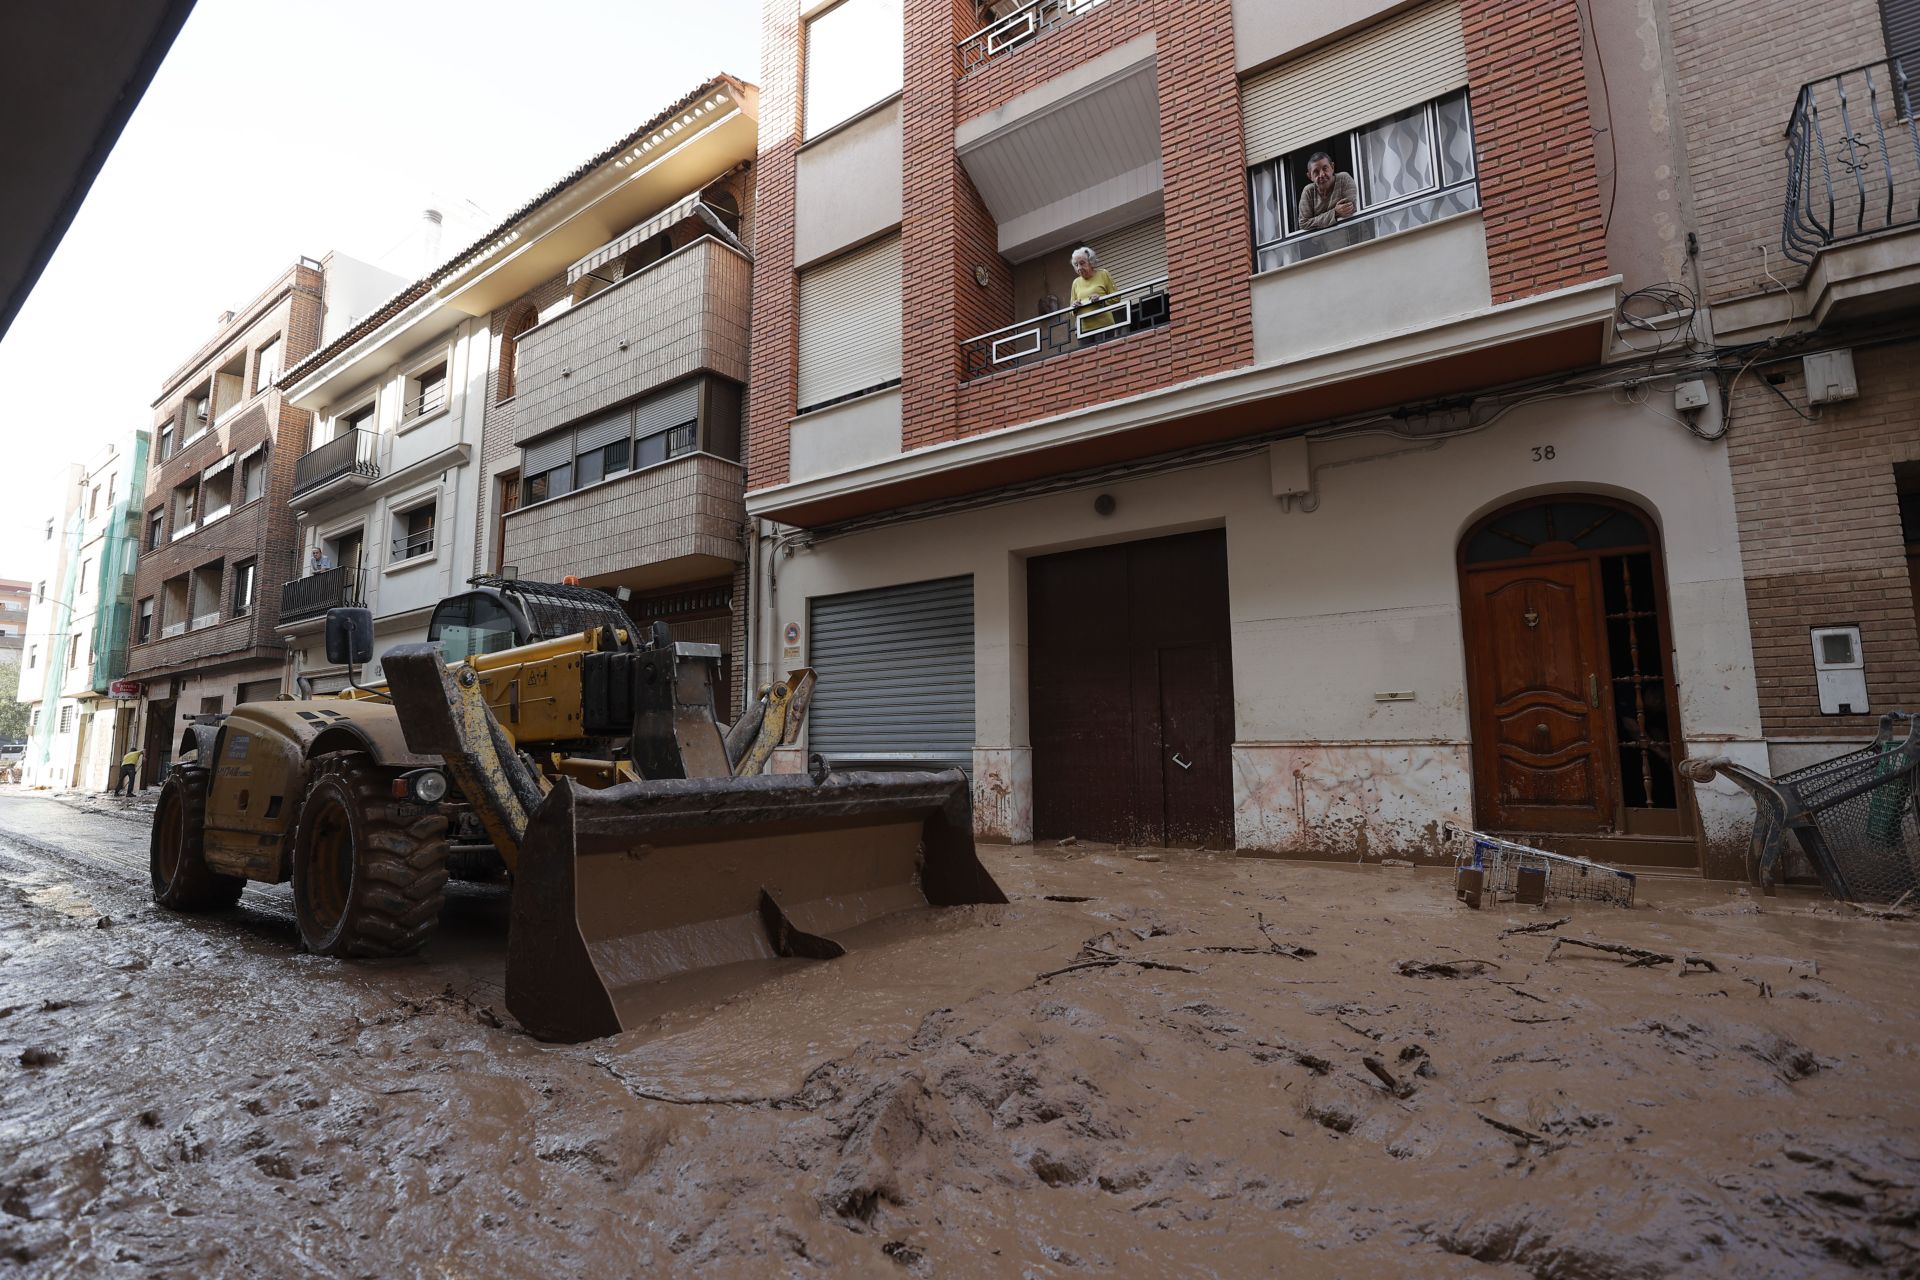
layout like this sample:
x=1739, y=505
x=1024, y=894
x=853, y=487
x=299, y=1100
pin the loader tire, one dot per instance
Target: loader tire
x=176, y=851
x=368, y=878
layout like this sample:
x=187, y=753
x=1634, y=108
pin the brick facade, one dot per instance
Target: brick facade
x=1539, y=190
x=262, y=530
x=1740, y=73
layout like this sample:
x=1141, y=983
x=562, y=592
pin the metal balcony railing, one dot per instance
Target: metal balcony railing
x=1853, y=159
x=418, y=544
x=1131, y=310
x=1019, y=27
x=311, y=596
x=349, y=454
x=432, y=400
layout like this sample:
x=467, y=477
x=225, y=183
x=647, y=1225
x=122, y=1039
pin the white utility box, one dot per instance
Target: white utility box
x=1841, y=671
x=1830, y=377
x=1690, y=395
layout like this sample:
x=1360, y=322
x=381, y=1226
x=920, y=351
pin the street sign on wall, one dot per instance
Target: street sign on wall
x=124, y=689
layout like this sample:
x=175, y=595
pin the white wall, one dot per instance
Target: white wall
x=1330, y=607
x=847, y=186
x=847, y=435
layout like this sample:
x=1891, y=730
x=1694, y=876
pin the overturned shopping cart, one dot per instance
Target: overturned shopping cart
x=1489, y=867
x=1854, y=816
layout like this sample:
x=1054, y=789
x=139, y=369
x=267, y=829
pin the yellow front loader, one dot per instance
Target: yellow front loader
x=653, y=860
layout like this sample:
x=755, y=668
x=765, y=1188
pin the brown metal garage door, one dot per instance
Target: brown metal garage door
x=1130, y=692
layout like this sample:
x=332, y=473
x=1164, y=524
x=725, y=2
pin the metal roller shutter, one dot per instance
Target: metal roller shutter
x=1134, y=255
x=669, y=409
x=546, y=454
x=1398, y=64
x=600, y=432
x=1902, y=20
x=896, y=676
x=850, y=320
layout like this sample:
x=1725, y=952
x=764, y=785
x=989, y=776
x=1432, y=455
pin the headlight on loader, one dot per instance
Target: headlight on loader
x=424, y=786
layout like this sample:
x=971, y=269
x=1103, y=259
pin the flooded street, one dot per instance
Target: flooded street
x=1228, y=1068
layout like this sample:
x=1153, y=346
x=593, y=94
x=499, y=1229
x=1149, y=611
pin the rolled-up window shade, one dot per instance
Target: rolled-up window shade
x=1133, y=255
x=850, y=317
x=1397, y=64
x=671, y=408
x=544, y=455
x=603, y=431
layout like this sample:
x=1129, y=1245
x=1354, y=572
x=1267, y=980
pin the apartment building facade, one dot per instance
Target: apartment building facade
x=82, y=715
x=1346, y=508
x=216, y=536
x=1807, y=167
x=14, y=598
x=561, y=400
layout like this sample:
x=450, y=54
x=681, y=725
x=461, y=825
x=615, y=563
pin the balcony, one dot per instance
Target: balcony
x=345, y=462
x=1853, y=160
x=1132, y=310
x=680, y=315
x=1018, y=27
x=312, y=596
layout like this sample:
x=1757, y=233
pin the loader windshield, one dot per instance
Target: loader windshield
x=466, y=625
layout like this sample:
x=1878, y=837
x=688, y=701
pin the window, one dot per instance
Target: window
x=243, y=576
x=469, y=625
x=156, y=526
x=855, y=55
x=360, y=419
x=113, y=479
x=426, y=392
x=603, y=447
x=73, y=652
x=204, y=598
x=86, y=574
x=199, y=411
x=213, y=704
x=849, y=322
x=230, y=385
x=93, y=503
x=166, y=442
x=33, y=656
x=413, y=532
x=1392, y=174
x=66, y=718
x=506, y=381
x=186, y=505
x=645, y=433
x=266, y=365
x=253, y=475
x=33, y=722
x=1900, y=20
x=145, y=625
x=216, y=490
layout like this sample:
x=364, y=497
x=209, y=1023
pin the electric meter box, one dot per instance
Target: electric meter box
x=1841, y=671
x=1830, y=377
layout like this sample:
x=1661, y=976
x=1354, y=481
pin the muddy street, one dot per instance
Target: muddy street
x=1230, y=1068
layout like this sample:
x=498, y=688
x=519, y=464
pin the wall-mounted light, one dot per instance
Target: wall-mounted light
x=980, y=276
x=1105, y=504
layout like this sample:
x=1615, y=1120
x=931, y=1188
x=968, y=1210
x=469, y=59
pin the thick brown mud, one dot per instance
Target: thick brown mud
x=1234, y=1068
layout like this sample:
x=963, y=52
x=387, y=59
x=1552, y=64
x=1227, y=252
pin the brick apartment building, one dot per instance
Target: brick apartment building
x=216, y=535
x=80, y=720
x=1343, y=513
x=1807, y=125
x=562, y=398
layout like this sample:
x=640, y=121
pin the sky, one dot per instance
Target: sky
x=281, y=128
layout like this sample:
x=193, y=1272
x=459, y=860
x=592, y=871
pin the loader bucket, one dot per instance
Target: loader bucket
x=646, y=896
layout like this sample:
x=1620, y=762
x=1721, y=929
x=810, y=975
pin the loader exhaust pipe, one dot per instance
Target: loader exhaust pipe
x=633, y=900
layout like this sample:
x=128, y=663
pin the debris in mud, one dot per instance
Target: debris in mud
x=1515, y=1131
x=1396, y=862
x=1544, y=926
x=104, y=922
x=1443, y=968
x=39, y=1056
x=1395, y=1085
x=1066, y=843
x=1146, y=857
x=1108, y=962
x=1637, y=957
x=1065, y=897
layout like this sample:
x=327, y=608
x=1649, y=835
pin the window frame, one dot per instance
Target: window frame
x=246, y=574
x=1289, y=185
x=271, y=345
x=411, y=387
x=812, y=129
x=400, y=517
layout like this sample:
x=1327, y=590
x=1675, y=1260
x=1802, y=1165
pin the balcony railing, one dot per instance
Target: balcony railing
x=173, y=629
x=432, y=400
x=1853, y=159
x=311, y=596
x=205, y=619
x=1019, y=27
x=418, y=544
x=1131, y=310
x=349, y=454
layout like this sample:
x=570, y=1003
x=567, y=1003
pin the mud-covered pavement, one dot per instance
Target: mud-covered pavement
x=1191, y=1097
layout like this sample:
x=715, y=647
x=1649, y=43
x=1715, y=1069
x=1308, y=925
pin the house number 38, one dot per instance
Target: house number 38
x=1543, y=453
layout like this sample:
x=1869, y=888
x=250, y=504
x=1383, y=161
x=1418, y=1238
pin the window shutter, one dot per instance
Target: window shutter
x=547, y=454
x=1134, y=255
x=604, y=431
x=850, y=318
x=1398, y=64
x=671, y=409
x=1902, y=21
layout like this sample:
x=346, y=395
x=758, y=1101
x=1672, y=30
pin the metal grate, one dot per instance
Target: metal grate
x=558, y=609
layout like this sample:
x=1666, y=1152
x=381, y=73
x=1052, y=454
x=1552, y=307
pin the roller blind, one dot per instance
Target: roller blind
x=603, y=431
x=1398, y=64
x=1902, y=20
x=896, y=676
x=850, y=319
x=1134, y=255
x=547, y=454
x=682, y=404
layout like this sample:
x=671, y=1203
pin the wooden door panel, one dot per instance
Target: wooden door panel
x=1194, y=757
x=1541, y=748
x=1079, y=697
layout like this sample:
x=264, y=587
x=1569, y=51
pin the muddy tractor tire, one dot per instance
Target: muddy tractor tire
x=176, y=851
x=369, y=870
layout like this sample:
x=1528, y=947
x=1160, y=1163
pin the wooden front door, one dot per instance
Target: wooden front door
x=1540, y=740
x=1130, y=692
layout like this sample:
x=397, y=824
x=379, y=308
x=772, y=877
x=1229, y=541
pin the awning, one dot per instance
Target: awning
x=222, y=465
x=614, y=250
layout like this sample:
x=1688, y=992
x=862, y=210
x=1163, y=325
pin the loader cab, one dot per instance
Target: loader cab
x=473, y=623
x=500, y=613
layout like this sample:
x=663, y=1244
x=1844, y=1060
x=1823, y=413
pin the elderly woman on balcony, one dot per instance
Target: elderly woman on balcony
x=1092, y=289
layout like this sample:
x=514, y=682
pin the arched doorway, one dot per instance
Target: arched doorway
x=1570, y=690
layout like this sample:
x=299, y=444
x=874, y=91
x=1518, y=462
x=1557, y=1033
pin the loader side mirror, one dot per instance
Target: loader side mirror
x=349, y=636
